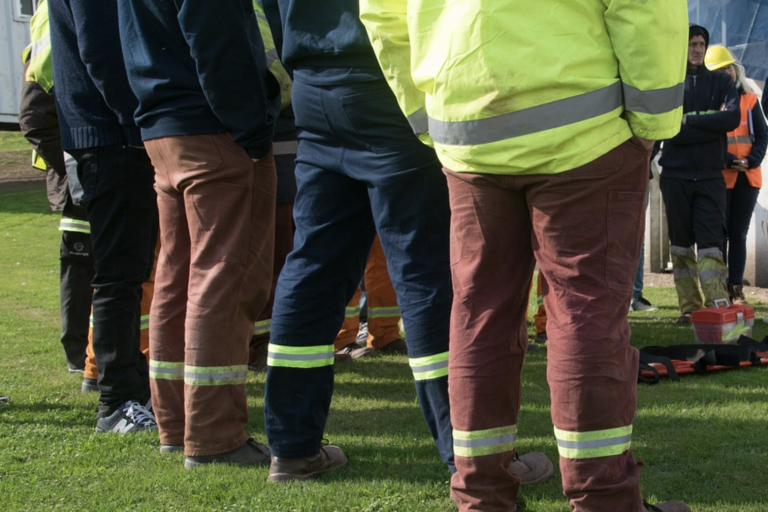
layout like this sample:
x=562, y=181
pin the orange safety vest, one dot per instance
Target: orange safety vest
x=740, y=144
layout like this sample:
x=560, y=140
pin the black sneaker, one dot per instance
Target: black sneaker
x=640, y=303
x=130, y=417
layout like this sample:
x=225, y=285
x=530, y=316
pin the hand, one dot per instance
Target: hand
x=740, y=165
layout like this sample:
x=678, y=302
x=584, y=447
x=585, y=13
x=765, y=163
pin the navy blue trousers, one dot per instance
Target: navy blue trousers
x=740, y=203
x=360, y=170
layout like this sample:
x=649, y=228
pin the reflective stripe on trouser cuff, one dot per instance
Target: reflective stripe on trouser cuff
x=710, y=252
x=681, y=251
x=383, y=312
x=713, y=274
x=535, y=119
x=682, y=273
x=598, y=443
x=351, y=311
x=166, y=370
x=262, y=327
x=429, y=367
x=476, y=443
x=215, y=375
x=300, y=357
x=144, y=322
x=78, y=226
x=658, y=101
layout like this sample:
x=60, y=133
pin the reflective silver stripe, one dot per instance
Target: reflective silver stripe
x=731, y=140
x=40, y=45
x=214, y=376
x=681, y=273
x=490, y=441
x=260, y=16
x=144, y=322
x=430, y=367
x=599, y=443
x=419, y=122
x=530, y=120
x=681, y=251
x=741, y=139
x=710, y=252
x=288, y=147
x=169, y=371
x=657, y=101
x=712, y=274
x=272, y=57
x=299, y=357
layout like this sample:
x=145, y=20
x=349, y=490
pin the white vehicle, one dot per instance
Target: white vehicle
x=14, y=37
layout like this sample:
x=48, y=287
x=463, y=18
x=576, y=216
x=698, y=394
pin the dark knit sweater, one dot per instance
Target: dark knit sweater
x=94, y=101
x=199, y=67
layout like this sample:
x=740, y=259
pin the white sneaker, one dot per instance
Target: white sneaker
x=130, y=417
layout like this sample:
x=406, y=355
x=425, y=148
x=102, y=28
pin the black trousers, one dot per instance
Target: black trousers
x=695, y=211
x=119, y=198
x=75, y=291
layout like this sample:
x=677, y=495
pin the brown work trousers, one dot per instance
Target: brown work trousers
x=584, y=227
x=217, y=223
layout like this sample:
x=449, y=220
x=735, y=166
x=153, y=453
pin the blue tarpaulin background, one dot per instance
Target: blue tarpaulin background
x=741, y=25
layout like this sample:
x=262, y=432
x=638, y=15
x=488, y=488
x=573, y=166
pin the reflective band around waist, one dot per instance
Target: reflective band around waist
x=598, y=443
x=710, y=252
x=681, y=251
x=78, y=226
x=144, y=322
x=530, y=120
x=383, y=312
x=215, y=375
x=262, y=327
x=741, y=139
x=477, y=443
x=706, y=275
x=681, y=273
x=658, y=101
x=419, y=121
x=299, y=357
x=287, y=147
x=166, y=370
x=429, y=367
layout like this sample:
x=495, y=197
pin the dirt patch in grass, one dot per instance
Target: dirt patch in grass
x=17, y=173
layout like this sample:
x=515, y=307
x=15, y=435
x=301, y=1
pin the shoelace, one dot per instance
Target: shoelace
x=139, y=415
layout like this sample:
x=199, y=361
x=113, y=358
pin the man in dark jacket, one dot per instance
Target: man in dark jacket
x=692, y=182
x=96, y=106
x=207, y=110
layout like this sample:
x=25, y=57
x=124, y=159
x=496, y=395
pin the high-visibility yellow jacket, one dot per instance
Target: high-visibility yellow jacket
x=38, y=53
x=273, y=62
x=520, y=87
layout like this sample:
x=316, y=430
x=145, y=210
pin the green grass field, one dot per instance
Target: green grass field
x=704, y=439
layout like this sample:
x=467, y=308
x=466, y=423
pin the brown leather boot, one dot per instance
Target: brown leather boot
x=302, y=468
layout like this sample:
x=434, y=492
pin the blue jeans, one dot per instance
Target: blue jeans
x=119, y=199
x=360, y=170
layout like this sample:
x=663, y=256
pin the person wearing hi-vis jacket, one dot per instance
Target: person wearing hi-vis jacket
x=543, y=118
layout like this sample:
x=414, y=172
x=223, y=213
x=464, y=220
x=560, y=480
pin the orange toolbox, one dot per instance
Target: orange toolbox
x=723, y=323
